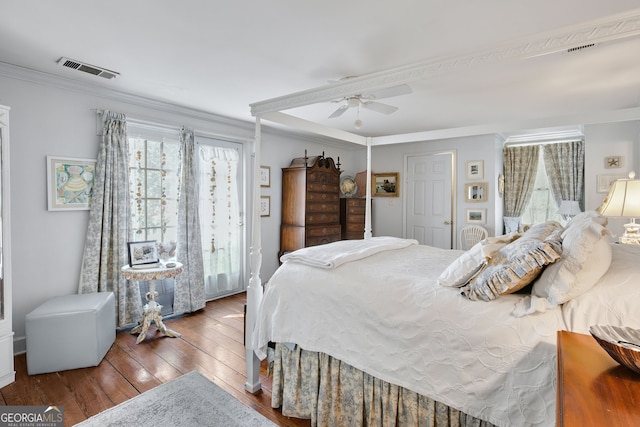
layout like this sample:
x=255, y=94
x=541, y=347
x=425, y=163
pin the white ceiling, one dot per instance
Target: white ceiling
x=220, y=57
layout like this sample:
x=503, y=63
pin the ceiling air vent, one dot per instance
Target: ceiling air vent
x=579, y=48
x=91, y=69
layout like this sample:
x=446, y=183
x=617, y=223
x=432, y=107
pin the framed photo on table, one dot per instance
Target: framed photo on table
x=143, y=253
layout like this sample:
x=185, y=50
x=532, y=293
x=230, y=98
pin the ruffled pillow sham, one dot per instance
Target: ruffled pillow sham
x=517, y=264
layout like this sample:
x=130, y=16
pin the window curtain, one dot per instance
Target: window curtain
x=564, y=163
x=105, y=249
x=220, y=213
x=189, y=285
x=520, y=166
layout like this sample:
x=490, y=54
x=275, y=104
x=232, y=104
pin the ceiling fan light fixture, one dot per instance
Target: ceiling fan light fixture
x=357, y=124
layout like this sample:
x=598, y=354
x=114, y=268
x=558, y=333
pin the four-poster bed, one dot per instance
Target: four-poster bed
x=524, y=389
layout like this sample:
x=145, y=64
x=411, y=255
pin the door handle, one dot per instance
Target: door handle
x=448, y=222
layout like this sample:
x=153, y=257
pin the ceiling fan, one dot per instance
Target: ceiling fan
x=369, y=100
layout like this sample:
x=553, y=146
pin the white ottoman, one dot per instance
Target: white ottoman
x=70, y=332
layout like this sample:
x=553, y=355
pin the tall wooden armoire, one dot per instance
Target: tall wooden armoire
x=310, y=203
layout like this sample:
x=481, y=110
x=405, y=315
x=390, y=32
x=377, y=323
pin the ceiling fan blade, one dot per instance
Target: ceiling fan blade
x=379, y=107
x=403, y=89
x=339, y=111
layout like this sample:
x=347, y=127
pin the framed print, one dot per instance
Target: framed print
x=476, y=192
x=69, y=183
x=265, y=205
x=143, y=254
x=475, y=169
x=385, y=184
x=476, y=216
x=605, y=181
x=613, y=162
x=265, y=176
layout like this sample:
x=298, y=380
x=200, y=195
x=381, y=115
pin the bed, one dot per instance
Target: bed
x=384, y=330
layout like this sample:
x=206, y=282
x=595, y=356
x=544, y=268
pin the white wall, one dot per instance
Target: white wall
x=49, y=120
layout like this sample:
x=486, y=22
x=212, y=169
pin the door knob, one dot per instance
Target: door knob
x=448, y=222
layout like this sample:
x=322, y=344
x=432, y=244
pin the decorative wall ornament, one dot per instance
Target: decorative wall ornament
x=613, y=162
x=70, y=183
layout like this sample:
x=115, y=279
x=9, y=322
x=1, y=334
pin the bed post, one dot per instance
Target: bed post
x=254, y=289
x=367, y=215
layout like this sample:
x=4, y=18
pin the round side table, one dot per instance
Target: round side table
x=151, y=310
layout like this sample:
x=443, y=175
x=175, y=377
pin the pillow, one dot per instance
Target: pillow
x=614, y=300
x=586, y=256
x=472, y=261
x=517, y=264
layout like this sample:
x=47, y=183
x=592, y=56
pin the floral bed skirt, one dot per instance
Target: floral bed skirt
x=331, y=393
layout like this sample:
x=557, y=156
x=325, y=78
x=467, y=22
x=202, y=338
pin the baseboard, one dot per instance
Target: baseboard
x=19, y=345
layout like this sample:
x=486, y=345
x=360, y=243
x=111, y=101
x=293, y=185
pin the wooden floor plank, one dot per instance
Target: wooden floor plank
x=211, y=342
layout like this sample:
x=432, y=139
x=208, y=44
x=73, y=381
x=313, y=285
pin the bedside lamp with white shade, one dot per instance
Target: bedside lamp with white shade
x=623, y=201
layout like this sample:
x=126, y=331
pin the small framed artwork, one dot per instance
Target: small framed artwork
x=265, y=176
x=69, y=183
x=605, y=181
x=385, y=184
x=476, y=192
x=476, y=216
x=475, y=169
x=613, y=162
x=265, y=205
x=143, y=254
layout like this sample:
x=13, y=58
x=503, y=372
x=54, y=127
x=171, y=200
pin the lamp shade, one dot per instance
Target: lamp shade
x=623, y=199
x=569, y=208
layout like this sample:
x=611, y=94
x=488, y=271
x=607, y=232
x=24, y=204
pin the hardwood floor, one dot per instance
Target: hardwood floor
x=211, y=342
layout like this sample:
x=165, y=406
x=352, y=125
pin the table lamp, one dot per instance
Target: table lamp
x=623, y=201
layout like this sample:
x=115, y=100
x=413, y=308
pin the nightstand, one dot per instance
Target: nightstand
x=593, y=389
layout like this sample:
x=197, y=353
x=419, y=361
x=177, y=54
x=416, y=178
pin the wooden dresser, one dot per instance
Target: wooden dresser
x=310, y=203
x=593, y=389
x=352, y=214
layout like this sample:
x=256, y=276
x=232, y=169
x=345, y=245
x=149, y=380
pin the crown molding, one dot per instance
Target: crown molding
x=613, y=28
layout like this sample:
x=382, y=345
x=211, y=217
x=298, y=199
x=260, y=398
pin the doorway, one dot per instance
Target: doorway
x=429, y=199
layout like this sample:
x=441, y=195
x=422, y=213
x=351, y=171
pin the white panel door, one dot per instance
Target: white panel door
x=429, y=199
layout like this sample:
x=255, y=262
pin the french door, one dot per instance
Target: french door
x=221, y=217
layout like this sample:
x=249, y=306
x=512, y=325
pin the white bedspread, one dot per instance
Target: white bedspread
x=399, y=325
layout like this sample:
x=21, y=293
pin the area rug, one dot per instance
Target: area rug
x=190, y=400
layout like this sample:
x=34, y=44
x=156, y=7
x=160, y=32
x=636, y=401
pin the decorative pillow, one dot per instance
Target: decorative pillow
x=517, y=264
x=586, y=256
x=474, y=260
x=614, y=300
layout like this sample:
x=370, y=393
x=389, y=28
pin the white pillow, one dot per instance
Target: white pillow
x=614, y=300
x=586, y=256
x=470, y=263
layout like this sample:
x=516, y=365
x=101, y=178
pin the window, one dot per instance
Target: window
x=542, y=206
x=154, y=184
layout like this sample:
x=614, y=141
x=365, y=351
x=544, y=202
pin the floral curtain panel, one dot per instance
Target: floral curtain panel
x=189, y=288
x=108, y=232
x=520, y=166
x=220, y=213
x=564, y=163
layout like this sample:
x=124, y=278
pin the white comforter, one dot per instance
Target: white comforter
x=387, y=316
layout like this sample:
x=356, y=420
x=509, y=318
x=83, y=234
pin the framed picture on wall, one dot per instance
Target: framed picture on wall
x=476, y=216
x=265, y=205
x=475, y=169
x=385, y=184
x=605, y=181
x=70, y=183
x=265, y=176
x=476, y=192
